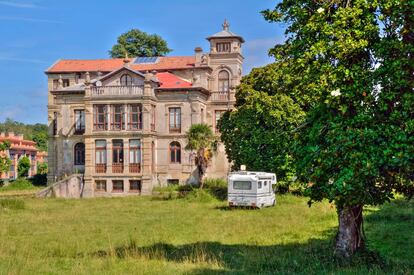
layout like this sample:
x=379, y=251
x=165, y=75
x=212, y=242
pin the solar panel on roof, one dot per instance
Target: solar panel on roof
x=146, y=60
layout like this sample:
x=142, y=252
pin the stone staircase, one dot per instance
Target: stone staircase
x=70, y=187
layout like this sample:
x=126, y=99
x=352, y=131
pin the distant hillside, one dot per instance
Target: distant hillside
x=36, y=132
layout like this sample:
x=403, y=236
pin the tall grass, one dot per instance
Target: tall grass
x=184, y=236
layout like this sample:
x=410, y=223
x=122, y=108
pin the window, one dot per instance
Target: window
x=175, y=152
x=223, y=81
x=173, y=182
x=99, y=117
x=223, y=47
x=126, y=80
x=153, y=110
x=117, y=186
x=218, y=114
x=55, y=118
x=79, y=121
x=259, y=185
x=100, y=185
x=135, y=151
x=117, y=117
x=100, y=156
x=78, y=77
x=65, y=83
x=242, y=185
x=135, y=186
x=134, y=156
x=175, y=119
x=135, y=117
x=79, y=154
x=117, y=156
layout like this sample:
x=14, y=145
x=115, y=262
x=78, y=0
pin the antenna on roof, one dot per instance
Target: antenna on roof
x=226, y=25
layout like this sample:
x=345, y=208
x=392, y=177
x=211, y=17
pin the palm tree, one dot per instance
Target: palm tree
x=201, y=139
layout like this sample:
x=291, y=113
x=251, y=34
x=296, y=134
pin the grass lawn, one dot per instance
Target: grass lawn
x=145, y=235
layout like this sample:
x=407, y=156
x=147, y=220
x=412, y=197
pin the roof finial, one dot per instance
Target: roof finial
x=226, y=25
x=126, y=60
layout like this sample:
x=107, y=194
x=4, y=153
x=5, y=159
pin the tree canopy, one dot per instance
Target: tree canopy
x=136, y=43
x=37, y=132
x=201, y=139
x=349, y=67
x=258, y=132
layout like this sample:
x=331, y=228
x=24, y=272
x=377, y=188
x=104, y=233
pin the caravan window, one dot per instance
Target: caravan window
x=259, y=185
x=265, y=183
x=242, y=185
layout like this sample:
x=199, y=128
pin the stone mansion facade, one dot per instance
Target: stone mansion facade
x=122, y=122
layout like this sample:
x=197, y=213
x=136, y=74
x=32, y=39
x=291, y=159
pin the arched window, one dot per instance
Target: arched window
x=126, y=80
x=223, y=81
x=79, y=154
x=175, y=152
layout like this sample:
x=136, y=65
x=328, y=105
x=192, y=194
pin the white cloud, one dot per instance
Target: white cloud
x=27, y=19
x=18, y=5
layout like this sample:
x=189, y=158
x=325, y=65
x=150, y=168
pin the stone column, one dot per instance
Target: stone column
x=147, y=175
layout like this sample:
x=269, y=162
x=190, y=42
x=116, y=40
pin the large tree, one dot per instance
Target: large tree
x=258, y=133
x=356, y=146
x=202, y=141
x=138, y=43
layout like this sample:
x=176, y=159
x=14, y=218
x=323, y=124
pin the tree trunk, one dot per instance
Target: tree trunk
x=349, y=238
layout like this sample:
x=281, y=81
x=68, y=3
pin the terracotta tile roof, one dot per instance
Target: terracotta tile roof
x=108, y=65
x=171, y=81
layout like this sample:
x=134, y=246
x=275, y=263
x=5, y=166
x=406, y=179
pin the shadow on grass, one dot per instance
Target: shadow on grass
x=314, y=257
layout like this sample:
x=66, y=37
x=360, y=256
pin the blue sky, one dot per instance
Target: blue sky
x=35, y=33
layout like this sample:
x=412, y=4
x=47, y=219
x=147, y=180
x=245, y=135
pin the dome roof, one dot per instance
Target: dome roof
x=225, y=33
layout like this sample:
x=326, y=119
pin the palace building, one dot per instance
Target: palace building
x=121, y=123
x=19, y=148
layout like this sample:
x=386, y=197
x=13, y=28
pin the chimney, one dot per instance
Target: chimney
x=198, y=54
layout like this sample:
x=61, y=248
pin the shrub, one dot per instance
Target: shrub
x=200, y=195
x=217, y=188
x=18, y=184
x=23, y=167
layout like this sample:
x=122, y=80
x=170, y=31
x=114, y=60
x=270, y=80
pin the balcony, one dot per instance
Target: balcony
x=220, y=96
x=117, y=168
x=117, y=91
x=135, y=167
x=100, y=168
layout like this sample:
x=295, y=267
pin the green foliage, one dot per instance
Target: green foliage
x=42, y=168
x=37, y=132
x=18, y=184
x=202, y=140
x=258, y=133
x=217, y=188
x=136, y=43
x=356, y=146
x=5, y=161
x=23, y=167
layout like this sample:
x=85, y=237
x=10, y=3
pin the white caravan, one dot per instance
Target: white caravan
x=254, y=189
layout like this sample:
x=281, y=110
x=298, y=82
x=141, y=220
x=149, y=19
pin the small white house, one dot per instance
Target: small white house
x=254, y=189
